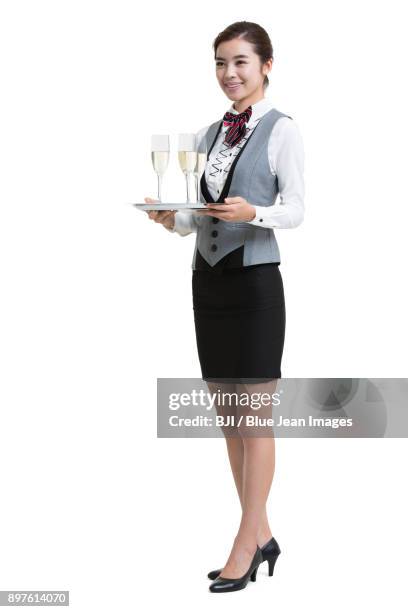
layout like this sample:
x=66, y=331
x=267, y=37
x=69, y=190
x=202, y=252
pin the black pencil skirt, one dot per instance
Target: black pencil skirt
x=239, y=318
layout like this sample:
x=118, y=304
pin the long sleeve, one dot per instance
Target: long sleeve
x=186, y=223
x=286, y=160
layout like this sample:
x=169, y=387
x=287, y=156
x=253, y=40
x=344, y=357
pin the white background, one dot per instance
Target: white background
x=96, y=303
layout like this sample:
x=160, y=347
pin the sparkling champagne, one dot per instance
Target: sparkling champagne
x=160, y=160
x=187, y=160
x=200, y=165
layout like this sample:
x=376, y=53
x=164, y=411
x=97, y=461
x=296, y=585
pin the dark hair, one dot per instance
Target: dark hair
x=252, y=33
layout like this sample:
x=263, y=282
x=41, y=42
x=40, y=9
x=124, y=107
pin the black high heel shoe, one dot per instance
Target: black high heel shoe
x=225, y=585
x=270, y=552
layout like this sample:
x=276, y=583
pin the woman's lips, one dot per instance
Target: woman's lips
x=234, y=86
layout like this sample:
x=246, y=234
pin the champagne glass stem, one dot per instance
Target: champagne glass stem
x=196, y=186
x=159, y=185
x=188, y=188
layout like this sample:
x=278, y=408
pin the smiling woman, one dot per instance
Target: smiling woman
x=248, y=57
x=255, y=152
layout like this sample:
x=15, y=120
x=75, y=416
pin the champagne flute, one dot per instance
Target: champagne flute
x=201, y=148
x=160, y=158
x=187, y=156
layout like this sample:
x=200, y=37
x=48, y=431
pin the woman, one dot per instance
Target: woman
x=255, y=152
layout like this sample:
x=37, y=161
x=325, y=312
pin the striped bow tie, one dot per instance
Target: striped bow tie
x=237, y=125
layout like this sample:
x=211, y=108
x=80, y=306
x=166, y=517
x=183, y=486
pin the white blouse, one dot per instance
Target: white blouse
x=286, y=160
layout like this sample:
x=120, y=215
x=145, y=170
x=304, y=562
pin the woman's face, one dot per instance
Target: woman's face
x=245, y=73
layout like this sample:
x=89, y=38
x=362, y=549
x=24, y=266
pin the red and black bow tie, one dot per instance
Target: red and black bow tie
x=237, y=126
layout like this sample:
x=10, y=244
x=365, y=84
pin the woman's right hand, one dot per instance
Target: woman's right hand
x=165, y=217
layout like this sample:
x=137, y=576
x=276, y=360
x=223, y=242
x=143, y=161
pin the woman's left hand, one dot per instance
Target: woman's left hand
x=234, y=209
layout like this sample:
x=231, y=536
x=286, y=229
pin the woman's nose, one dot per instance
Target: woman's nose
x=229, y=72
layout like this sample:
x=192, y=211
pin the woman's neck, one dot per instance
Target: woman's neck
x=241, y=105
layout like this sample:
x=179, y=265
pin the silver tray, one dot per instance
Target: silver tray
x=183, y=206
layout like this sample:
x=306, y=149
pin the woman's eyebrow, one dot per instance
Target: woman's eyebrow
x=235, y=57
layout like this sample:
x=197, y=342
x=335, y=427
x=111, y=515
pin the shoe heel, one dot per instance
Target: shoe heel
x=271, y=563
x=253, y=575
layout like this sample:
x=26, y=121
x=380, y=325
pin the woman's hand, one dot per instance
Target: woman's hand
x=165, y=217
x=234, y=209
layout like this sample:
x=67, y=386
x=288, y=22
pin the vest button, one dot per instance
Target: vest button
x=213, y=247
x=261, y=219
x=214, y=233
x=215, y=220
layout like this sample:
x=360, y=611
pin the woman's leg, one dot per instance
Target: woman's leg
x=257, y=475
x=235, y=446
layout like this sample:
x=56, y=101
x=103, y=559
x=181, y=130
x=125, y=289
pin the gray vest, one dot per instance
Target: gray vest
x=250, y=177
